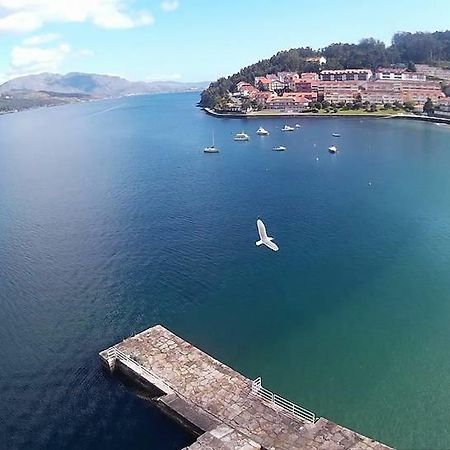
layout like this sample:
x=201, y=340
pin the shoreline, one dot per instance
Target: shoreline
x=274, y=115
x=91, y=100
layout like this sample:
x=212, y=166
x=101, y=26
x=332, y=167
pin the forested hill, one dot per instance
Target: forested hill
x=406, y=48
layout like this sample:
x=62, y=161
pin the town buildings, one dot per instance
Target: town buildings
x=290, y=101
x=291, y=91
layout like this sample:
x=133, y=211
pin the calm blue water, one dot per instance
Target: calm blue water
x=112, y=220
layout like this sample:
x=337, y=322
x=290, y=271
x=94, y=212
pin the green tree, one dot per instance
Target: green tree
x=408, y=106
x=428, y=107
x=246, y=104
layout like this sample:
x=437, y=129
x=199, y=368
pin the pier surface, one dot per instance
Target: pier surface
x=218, y=403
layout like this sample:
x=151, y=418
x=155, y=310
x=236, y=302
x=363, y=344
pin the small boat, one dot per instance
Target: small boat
x=279, y=148
x=211, y=148
x=262, y=132
x=336, y=135
x=332, y=149
x=297, y=125
x=241, y=136
x=287, y=128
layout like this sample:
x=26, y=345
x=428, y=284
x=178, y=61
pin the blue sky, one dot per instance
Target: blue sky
x=190, y=40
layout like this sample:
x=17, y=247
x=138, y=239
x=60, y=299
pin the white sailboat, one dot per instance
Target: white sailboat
x=212, y=148
x=262, y=132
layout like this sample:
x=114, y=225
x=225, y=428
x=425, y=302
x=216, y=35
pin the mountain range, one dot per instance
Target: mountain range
x=48, y=89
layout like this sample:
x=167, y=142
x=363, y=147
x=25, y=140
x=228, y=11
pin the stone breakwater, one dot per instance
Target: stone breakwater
x=217, y=403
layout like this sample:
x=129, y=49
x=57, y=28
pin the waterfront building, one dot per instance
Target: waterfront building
x=337, y=91
x=346, y=75
x=290, y=101
x=395, y=74
x=419, y=92
x=381, y=92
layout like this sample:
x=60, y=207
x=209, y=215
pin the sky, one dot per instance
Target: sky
x=190, y=40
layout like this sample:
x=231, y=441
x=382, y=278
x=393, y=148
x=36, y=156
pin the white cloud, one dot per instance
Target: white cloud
x=170, y=5
x=20, y=22
x=30, y=15
x=27, y=60
x=41, y=39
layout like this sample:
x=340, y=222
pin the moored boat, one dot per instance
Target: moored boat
x=211, y=148
x=332, y=149
x=241, y=136
x=287, y=128
x=279, y=148
x=297, y=125
x=262, y=132
x=336, y=135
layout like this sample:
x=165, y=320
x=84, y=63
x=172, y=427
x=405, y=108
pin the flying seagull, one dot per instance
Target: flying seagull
x=264, y=239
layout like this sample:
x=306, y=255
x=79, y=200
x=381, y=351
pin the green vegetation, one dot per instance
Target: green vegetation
x=428, y=108
x=291, y=60
x=20, y=100
x=357, y=108
x=406, y=48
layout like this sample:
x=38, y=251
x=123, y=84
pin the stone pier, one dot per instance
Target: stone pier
x=224, y=408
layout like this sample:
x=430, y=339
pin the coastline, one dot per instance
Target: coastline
x=273, y=115
x=91, y=100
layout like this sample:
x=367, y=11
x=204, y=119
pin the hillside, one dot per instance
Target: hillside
x=406, y=48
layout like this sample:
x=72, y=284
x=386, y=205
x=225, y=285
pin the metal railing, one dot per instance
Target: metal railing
x=285, y=405
x=114, y=354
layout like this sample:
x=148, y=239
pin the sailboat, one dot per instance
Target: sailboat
x=262, y=132
x=212, y=148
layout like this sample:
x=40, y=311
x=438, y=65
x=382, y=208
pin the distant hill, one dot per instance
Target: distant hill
x=94, y=85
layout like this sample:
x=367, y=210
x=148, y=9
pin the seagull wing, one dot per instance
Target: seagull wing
x=272, y=245
x=261, y=229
